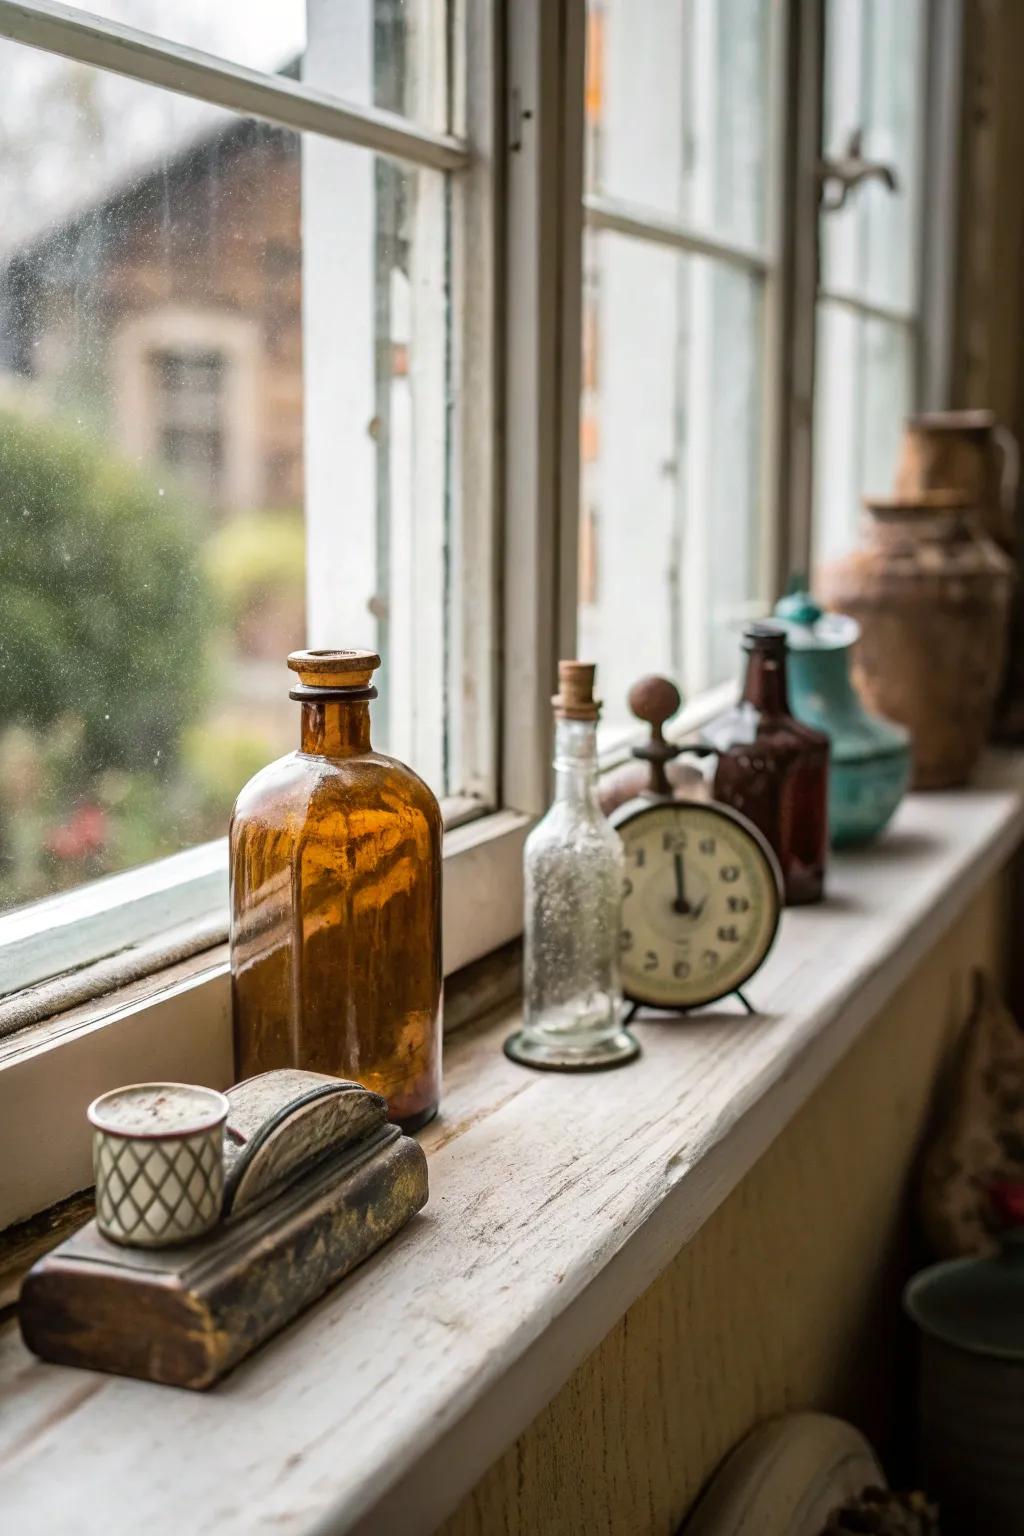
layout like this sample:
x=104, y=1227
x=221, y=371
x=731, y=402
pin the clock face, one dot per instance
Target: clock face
x=700, y=906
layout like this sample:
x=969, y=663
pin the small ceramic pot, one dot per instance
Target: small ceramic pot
x=971, y=1316
x=158, y=1158
x=869, y=764
x=930, y=592
x=967, y=452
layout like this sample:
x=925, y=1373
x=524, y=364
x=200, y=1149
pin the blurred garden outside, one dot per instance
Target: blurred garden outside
x=126, y=613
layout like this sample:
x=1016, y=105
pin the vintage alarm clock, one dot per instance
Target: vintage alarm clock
x=703, y=890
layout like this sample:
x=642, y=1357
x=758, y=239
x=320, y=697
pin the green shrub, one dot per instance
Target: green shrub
x=258, y=556
x=105, y=614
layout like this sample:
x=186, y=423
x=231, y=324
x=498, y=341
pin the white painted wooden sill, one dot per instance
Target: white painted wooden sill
x=555, y=1202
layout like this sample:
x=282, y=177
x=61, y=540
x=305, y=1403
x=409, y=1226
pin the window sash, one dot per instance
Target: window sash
x=483, y=842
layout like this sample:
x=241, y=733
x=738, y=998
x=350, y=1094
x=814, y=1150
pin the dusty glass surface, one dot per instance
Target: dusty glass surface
x=670, y=562
x=677, y=110
x=863, y=391
x=573, y=871
x=271, y=35
x=154, y=402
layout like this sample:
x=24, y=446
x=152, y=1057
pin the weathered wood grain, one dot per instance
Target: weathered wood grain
x=185, y=1316
x=788, y=1296
x=555, y=1202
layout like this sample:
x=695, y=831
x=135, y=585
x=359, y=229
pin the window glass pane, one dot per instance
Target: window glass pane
x=874, y=81
x=863, y=391
x=396, y=49
x=156, y=389
x=677, y=110
x=260, y=36
x=670, y=562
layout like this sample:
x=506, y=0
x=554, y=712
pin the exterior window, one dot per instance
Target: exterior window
x=188, y=390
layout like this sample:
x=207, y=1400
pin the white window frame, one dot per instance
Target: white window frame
x=517, y=254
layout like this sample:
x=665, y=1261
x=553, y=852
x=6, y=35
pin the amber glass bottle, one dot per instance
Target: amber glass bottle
x=336, y=902
x=775, y=769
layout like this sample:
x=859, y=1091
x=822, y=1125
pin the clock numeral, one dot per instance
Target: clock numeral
x=710, y=957
x=650, y=961
x=681, y=970
x=729, y=873
x=673, y=842
x=738, y=904
x=729, y=933
x=640, y=857
x=627, y=887
x=707, y=845
x=625, y=940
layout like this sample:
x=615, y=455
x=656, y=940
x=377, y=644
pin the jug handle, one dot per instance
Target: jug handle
x=1008, y=479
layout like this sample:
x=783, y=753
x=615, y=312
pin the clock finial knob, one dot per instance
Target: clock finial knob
x=654, y=700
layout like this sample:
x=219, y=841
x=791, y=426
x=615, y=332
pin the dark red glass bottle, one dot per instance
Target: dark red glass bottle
x=773, y=768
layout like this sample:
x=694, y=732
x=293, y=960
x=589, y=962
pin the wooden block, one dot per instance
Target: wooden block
x=184, y=1316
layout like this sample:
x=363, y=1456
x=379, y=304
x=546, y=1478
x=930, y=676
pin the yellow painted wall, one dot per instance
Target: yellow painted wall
x=787, y=1298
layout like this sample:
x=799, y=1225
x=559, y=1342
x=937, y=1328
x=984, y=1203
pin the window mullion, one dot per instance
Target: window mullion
x=868, y=308
x=543, y=350
x=798, y=284
x=611, y=213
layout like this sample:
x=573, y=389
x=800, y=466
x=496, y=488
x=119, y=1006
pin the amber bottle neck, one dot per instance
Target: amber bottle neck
x=335, y=727
x=765, y=685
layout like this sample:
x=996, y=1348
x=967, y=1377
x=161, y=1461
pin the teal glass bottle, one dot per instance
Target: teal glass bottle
x=869, y=766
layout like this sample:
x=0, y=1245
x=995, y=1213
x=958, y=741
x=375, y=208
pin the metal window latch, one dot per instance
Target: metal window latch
x=837, y=177
x=517, y=116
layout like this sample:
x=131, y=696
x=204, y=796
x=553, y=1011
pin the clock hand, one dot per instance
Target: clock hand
x=680, y=904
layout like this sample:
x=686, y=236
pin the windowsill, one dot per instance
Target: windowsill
x=555, y=1201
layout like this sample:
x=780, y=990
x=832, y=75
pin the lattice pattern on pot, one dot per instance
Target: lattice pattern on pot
x=154, y=1192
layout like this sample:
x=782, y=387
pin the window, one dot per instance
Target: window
x=679, y=258
x=477, y=334
x=189, y=391
x=870, y=292
x=228, y=347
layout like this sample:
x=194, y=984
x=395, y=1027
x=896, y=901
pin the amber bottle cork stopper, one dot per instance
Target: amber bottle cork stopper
x=334, y=669
x=575, y=697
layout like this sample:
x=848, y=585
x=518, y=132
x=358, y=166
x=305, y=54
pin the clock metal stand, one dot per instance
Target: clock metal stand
x=654, y=700
x=681, y=1012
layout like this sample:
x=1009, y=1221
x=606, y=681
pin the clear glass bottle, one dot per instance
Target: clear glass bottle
x=336, y=902
x=573, y=874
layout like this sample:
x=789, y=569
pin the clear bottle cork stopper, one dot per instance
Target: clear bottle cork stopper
x=575, y=697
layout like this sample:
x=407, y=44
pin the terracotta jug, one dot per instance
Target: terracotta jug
x=966, y=452
x=930, y=592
